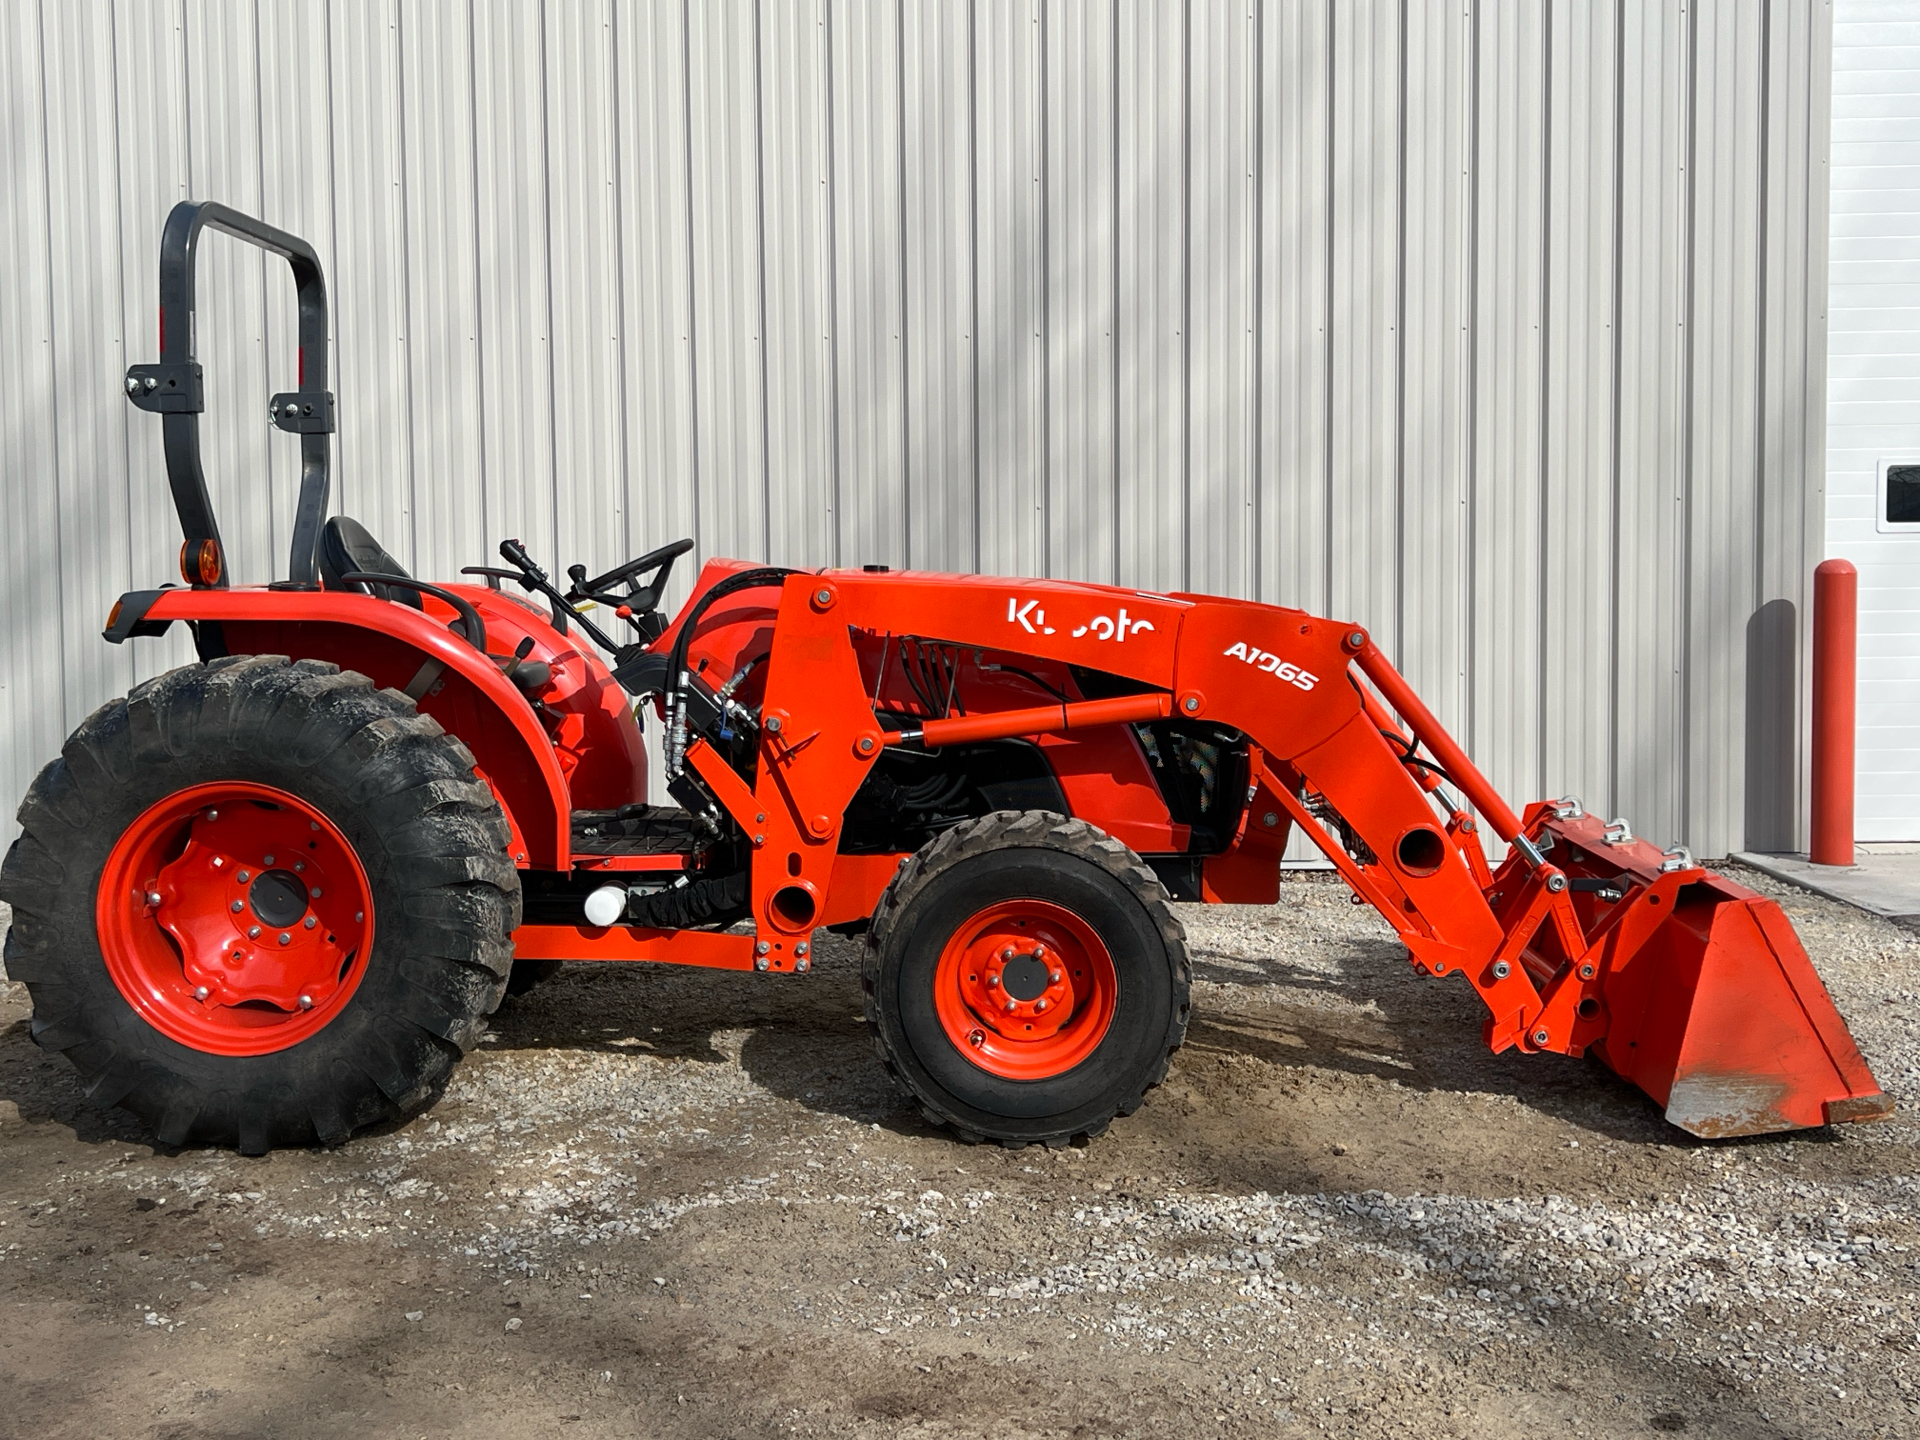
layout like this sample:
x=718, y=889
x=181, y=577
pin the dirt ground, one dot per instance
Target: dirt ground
x=661, y=1203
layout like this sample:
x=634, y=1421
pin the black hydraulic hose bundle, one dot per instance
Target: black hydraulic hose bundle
x=677, y=676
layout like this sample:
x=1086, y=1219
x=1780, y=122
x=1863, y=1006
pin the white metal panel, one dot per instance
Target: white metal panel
x=1510, y=199
x=296, y=193
x=1009, y=332
x=589, y=497
x=869, y=281
x=370, y=277
x=151, y=152
x=1082, y=288
x=1155, y=137
x=515, y=283
x=1873, y=412
x=1221, y=206
x=1649, y=763
x=89, y=452
x=443, y=298
x=656, y=286
x=1722, y=462
x=223, y=103
x=32, y=658
x=803, y=516
x=1498, y=328
x=1293, y=315
x=1435, y=219
x=1577, y=564
x=1790, y=515
x=722, y=69
x=1365, y=500
x=943, y=495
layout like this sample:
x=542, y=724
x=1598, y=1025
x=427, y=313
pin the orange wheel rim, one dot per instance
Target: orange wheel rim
x=235, y=918
x=1025, y=989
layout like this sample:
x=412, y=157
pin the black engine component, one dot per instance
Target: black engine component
x=911, y=795
x=1202, y=773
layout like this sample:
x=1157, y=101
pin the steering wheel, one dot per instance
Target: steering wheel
x=639, y=598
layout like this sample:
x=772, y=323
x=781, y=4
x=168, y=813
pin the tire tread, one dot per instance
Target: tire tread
x=1040, y=829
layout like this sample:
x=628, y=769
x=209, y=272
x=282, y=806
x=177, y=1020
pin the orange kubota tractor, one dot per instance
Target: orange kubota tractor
x=271, y=897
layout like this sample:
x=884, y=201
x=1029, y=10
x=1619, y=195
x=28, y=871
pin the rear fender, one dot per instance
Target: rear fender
x=390, y=644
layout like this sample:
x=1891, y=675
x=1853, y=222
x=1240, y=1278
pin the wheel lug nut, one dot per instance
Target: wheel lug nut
x=313, y=824
x=306, y=1002
x=237, y=906
x=315, y=892
x=285, y=937
x=1012, y=1006
x=269, y=859
x=200, y=992
x=310, y=922
x=993, y=982
x=976, y=1038
x=153, y=897
x=358, y=916
x=243, y=877
x=1039, y=1006
x=1007, y=954
x=1053, y=977
x=213, y=815
x=299, y=865
x=253, y=932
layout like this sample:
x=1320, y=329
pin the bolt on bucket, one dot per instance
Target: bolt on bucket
x=1710, y=1003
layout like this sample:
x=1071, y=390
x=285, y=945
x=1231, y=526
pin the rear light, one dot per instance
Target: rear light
x=200, y=562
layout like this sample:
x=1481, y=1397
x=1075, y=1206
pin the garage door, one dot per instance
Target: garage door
x=1873, y=394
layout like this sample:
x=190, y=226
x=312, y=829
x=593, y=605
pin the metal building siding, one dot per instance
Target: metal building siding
x=1495, y=328
x=1080, y=287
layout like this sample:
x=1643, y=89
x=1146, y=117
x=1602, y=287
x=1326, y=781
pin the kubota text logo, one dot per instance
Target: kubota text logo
x=1273, y=665
x=1032, y=619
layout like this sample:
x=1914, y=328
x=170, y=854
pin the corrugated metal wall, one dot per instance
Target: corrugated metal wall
x=1495, y=327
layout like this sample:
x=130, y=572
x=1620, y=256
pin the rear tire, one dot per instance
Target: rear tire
x=1025, y=980
x=398, y=795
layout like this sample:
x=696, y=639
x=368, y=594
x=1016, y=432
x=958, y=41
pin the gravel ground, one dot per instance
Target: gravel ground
x=688, y=1204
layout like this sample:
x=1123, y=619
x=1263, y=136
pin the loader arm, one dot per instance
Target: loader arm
x=1661, y=979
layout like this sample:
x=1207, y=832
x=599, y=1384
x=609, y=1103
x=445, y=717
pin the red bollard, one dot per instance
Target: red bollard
x=1836, y=590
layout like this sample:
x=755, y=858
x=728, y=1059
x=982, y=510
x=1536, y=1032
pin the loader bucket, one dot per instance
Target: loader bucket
x=1710, y=1003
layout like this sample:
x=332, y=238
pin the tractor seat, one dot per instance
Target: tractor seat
x=345, y=546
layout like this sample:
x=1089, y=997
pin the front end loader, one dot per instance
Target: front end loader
x=270, y=897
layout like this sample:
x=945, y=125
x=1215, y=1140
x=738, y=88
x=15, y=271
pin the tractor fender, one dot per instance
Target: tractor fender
x=392, y=644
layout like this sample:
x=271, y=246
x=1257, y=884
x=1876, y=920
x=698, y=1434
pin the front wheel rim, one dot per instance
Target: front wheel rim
x=1025, y=989
x=235, y=918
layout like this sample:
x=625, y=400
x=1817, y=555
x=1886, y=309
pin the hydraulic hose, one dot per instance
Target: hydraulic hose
x=678, y=678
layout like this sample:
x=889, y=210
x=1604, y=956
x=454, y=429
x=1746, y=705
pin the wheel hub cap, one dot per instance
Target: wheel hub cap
x=1025, y=989
x=235, y=918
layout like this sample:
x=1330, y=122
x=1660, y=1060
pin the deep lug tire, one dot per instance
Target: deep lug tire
x=1025, y=980
x=196, y=1015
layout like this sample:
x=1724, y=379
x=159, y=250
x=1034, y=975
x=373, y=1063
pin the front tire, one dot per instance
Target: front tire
x=261, y=903
x=1025, y=979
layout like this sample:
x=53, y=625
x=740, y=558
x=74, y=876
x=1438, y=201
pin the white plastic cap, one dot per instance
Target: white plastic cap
x=606, y=905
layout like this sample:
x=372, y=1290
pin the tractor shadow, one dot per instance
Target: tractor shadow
x=44, y=1089
x=801, y=1038
x=1341, y=1005
x=1357, y=1009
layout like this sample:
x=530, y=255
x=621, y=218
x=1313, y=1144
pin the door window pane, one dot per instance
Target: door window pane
x=1903, y=494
